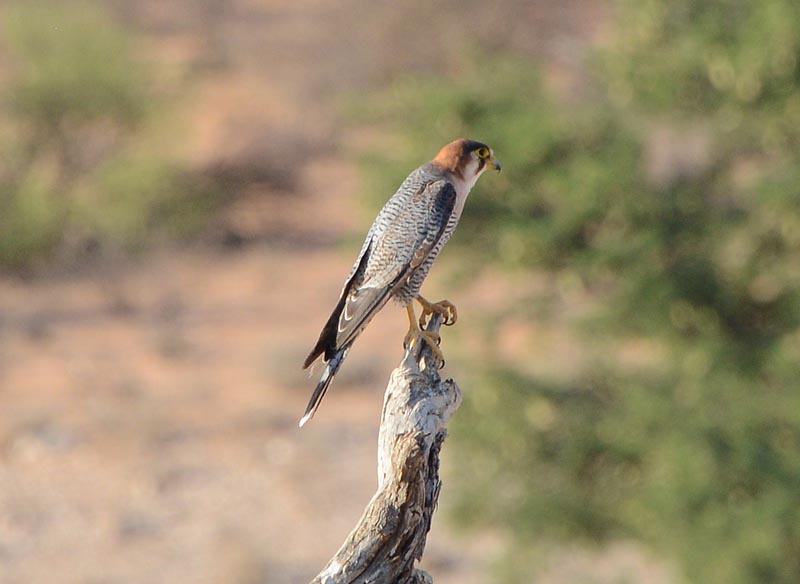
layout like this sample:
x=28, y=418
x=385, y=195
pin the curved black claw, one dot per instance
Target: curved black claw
x=446, y=308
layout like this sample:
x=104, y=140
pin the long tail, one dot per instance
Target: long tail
x=331, y=367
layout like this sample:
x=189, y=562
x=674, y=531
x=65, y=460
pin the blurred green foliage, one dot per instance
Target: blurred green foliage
x=82, y=159
x=671, y=195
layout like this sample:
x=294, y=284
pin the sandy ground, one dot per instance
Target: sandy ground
x=148, y=419
x=148, y=409
x=148, y=430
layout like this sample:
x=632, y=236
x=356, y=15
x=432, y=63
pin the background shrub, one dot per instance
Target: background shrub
x=667, y=196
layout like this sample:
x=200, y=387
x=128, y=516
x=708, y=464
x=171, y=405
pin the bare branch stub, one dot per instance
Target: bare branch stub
x=391, y=534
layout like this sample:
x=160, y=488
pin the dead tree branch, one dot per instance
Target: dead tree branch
x=390, y=537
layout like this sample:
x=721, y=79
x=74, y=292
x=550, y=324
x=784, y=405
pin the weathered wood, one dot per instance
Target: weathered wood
x=390, y=537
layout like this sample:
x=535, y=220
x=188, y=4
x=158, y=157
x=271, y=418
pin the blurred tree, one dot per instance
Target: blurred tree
x=78, y=163
x=671, y=196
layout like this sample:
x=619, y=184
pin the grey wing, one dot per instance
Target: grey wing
x=327, y=342
x=398, y=246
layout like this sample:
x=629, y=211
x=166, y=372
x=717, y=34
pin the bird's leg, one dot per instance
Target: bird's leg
x=444, y=307
x=415, y=332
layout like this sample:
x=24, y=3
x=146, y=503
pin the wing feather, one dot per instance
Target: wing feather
x=395, y=253
x=399, y=241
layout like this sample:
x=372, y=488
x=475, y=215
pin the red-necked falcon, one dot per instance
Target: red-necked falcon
x=399, y=250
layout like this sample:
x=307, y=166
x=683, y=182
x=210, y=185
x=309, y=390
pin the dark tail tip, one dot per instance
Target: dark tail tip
x=319, y=392
x=316, y=398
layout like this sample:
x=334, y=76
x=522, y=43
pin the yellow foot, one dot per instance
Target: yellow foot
x=415, y=333
x=444, y=307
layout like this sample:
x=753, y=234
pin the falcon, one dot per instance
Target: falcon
x=400, y=248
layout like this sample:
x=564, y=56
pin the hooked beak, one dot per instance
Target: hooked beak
x=495, y=164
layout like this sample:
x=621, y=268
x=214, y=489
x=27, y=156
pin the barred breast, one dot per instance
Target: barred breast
x=410, y=289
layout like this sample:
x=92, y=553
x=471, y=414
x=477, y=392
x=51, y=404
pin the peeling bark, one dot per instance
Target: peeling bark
x=390, y=536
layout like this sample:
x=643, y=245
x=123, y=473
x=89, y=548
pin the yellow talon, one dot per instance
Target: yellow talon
x=444, y=307
x=415, y=332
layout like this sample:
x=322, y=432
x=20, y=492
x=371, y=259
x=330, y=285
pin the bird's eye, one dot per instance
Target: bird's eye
x=482, y=152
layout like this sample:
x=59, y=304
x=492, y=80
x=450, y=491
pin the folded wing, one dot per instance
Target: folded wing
x=398, y=243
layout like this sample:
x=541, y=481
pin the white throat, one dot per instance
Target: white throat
x=464, y=186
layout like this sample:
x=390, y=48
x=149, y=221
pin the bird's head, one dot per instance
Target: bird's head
x=467, y=159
